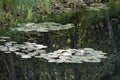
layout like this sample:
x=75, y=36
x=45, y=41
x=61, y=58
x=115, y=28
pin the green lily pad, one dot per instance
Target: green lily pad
x=3, y=48
x=19, y=53
x=3, y=37
x=3, y=40
x=97, y=7
x=25, y=50
x=29, y=50
x=42, y=27
x=75, y=56
x=25, y=56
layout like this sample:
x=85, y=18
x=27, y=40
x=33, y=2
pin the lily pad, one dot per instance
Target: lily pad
x=19, y=53
x=75, y=56
x=25, y=56
x=97, y=7
x=25, y=50
x=3, y=48
x=3, y=40
x=3, y=37
x=42, y=27
x=29, y=50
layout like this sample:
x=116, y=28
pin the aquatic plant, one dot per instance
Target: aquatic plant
x=97, y=7
x=29, y=50
x=74, y=56
x=26, y=50
x=42, y=27
x=3, y=38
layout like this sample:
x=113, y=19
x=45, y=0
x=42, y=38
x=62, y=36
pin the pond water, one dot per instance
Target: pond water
x=59, y=40
x=16, y=68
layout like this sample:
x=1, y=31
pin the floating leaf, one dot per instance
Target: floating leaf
x=97, y=7
x=75, y=56
x=3, y=40
x=3, y=37
x=3, y=48
x=25, y=56
x=29, y=50
x=12, y=49
x=91, y=60
x=19, y=53
x=25, y=50
x=42, y=27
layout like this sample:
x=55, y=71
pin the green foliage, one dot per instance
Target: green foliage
x=18, y=36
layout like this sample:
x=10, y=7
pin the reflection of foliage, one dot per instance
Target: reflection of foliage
x=97, y=23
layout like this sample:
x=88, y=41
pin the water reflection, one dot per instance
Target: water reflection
x=38, y=69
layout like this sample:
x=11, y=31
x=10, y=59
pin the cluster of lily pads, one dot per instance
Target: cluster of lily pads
x=29, y=50
x=25, y=50
x=97, y=7
x=4, y=39
x=74, y=56
x=42, y=27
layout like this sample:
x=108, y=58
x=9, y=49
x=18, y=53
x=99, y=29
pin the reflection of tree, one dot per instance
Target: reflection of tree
x=9, y=65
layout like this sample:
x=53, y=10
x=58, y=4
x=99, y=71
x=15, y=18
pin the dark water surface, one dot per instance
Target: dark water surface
x=15, y=68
